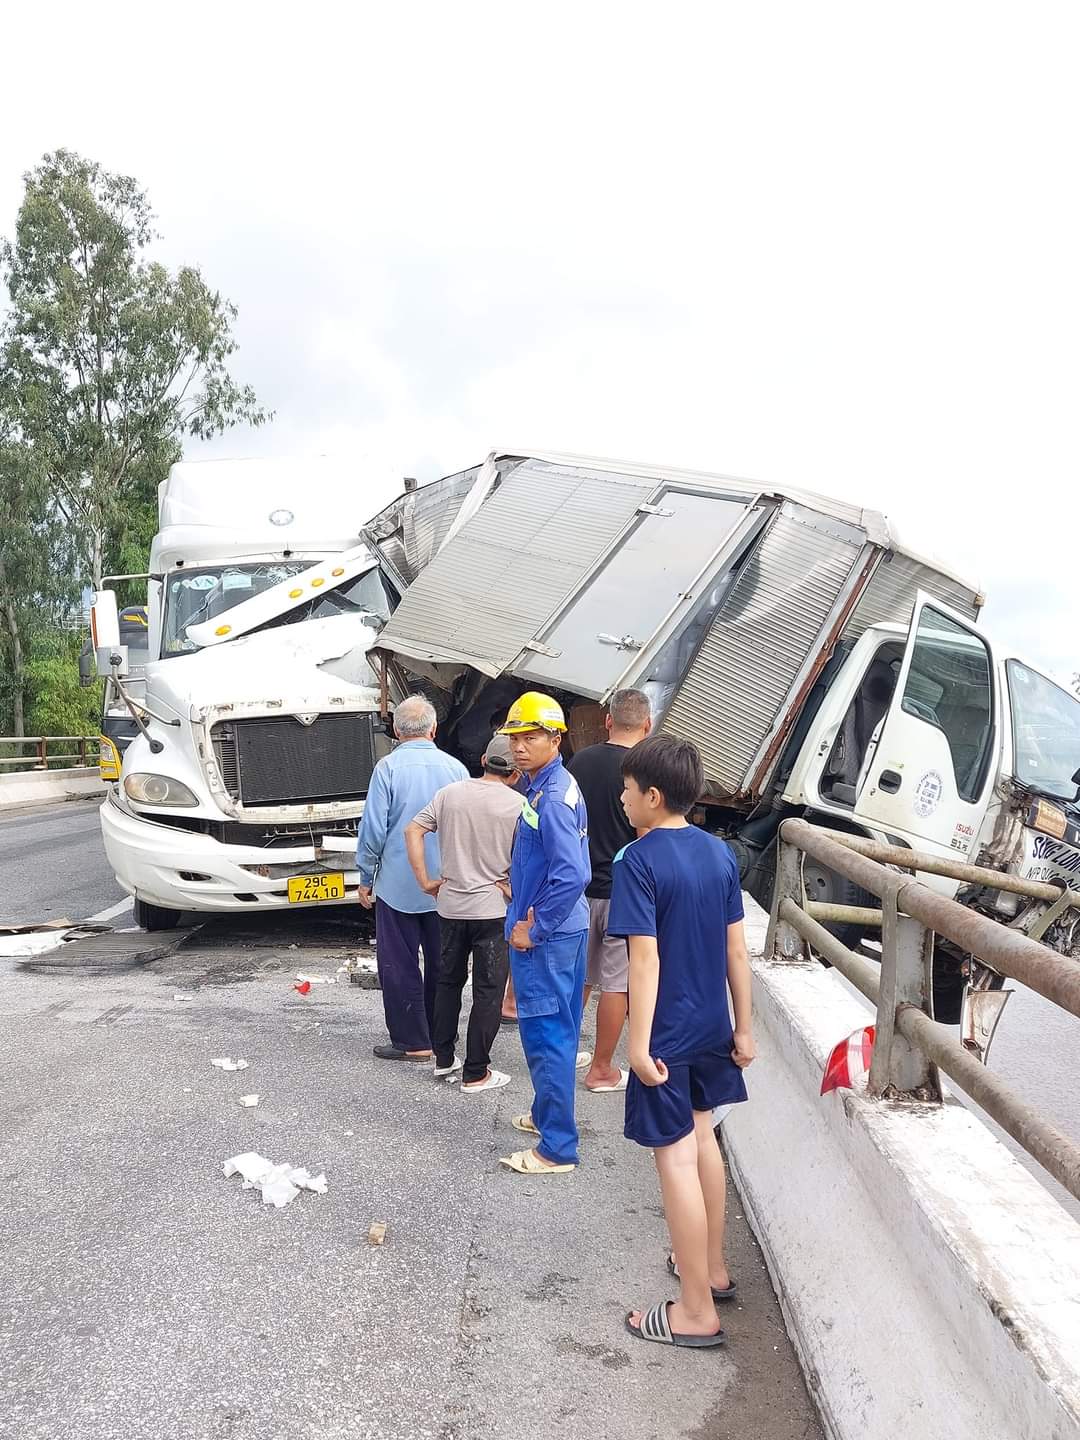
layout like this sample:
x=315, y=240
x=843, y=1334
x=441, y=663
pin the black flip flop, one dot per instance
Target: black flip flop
x=730, y=1293
x=395, y=1052
x=656, y=1326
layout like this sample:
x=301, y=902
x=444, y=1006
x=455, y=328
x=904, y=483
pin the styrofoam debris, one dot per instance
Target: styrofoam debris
x=248, y=1100
x=377, y=1234
x=348, y=1133
x=225, y=1063
x=278, y=1184
x=183, y=997
x=315, y=979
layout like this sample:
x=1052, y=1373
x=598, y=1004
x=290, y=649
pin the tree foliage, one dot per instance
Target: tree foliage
x=109, y=361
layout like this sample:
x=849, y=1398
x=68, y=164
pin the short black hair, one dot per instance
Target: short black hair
x=672, y=766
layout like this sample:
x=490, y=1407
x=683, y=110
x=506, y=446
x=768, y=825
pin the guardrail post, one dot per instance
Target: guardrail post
x=42, y=754
x=82, y=751
x=900, y=1069
x=782, y=940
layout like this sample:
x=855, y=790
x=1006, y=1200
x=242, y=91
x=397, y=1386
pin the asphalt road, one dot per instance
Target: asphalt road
x=146, y=1296
x=52, y=865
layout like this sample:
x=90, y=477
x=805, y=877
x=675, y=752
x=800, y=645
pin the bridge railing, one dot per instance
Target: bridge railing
x=910, y=1047
x=37, y=752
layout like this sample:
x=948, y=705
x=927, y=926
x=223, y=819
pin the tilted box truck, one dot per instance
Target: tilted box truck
x=822, y=668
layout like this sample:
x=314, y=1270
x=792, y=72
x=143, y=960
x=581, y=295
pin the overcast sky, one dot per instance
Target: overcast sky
x=833, y=246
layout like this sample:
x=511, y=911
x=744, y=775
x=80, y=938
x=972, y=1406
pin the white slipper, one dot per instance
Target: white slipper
x=620, y=1084
x=496, y=1079
x=584, y=1059
x=442, y=1070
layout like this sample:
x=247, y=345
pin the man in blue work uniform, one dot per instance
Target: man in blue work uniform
x=547, y=925
x=406, y=921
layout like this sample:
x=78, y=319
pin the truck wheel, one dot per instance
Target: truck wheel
x=828, y=888
x=155, y=917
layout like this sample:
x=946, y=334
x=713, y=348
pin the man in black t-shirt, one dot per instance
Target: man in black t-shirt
x=598, y=772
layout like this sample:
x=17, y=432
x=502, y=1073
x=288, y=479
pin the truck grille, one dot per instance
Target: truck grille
x=276, y=760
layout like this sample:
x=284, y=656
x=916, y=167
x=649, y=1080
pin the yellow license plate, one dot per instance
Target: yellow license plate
x=304, y=888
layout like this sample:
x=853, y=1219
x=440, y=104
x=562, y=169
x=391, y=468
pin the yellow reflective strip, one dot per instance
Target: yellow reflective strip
x=529, y=815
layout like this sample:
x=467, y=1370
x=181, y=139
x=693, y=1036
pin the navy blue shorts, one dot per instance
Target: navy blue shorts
x=658, y=1115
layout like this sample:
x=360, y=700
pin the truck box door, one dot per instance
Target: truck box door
x=928, y=776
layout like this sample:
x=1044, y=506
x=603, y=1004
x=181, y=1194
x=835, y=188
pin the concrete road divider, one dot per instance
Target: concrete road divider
x=40, y=787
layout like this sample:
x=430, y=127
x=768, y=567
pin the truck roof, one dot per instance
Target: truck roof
x=318, y=503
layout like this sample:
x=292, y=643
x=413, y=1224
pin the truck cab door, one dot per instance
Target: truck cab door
x=930, y=769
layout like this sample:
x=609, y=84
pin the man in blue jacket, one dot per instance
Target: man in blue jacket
x=406, y=921
x=547, y=925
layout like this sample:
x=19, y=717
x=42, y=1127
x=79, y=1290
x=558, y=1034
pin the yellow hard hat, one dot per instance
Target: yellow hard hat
x=534, y=711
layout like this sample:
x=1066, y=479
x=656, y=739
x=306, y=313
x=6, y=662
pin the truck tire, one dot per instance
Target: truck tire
x=829, y=888
x=155, y=917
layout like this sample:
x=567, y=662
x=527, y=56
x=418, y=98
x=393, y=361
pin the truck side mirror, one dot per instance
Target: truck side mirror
x=105, y=632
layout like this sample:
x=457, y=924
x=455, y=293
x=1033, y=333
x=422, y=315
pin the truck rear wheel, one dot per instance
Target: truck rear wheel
x=828, y=888
x=155, y=917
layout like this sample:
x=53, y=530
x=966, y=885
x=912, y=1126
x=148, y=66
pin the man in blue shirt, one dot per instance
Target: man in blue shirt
x=406, y=920
x=547, y=924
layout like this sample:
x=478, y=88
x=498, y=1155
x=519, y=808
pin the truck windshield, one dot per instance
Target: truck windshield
x=1046, y=732
x=192, y=596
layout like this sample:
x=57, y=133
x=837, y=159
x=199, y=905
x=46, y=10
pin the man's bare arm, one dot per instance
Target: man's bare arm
x=414, y=849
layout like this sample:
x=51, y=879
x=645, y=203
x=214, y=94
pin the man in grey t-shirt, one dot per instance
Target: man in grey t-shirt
x=475, y=821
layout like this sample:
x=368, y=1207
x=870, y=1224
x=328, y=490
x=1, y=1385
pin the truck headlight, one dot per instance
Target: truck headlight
x=157, y=790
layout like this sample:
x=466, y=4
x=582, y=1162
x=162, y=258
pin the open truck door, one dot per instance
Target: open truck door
x=930, y=767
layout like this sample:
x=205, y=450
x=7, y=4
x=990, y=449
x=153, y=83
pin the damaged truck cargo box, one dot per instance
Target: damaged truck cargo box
x=724, y=600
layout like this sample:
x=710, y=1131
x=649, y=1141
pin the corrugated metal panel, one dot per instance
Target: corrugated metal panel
x=410, y=531
x=890, y=594
x=756, y=646
x=489, y=591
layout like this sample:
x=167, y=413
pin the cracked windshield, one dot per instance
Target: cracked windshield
x=193, y=596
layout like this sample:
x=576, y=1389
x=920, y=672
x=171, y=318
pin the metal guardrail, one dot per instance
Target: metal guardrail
x=910, y=1047
x=42, y=758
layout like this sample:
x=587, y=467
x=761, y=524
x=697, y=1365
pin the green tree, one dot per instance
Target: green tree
x=110, y=359
x=36, y=570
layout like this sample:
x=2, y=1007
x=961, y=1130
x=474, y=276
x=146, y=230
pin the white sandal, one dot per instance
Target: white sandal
x=494, y=1080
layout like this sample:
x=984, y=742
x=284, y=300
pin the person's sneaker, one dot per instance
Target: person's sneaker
x=441, y=1070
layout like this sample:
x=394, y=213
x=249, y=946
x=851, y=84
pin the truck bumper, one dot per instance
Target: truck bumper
x=183, y=871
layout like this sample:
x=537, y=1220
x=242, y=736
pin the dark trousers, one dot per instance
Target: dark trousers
x=483, y=939
x=408, y=999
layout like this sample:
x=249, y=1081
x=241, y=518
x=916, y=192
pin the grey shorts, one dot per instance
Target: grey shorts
x=609, y=959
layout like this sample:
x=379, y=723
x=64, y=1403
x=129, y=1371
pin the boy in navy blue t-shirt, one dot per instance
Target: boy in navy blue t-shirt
x=676, y=898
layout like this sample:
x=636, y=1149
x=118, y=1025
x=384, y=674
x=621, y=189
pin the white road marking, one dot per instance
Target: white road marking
x=117, y=909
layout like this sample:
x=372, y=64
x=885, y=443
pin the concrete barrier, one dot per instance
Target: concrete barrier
x=39, y=787
x=930, y=1284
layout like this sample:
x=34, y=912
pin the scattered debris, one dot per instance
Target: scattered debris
x=363, y=971
x=349, y=1134
x=377, y=1234
x=183, y=997
x=248, y=1100
x=278, y=1184
x=304, y=988
x=225, y=1063
x=316, y=979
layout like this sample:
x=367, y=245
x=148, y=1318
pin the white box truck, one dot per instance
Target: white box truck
x=823, y=669
x=257, y=713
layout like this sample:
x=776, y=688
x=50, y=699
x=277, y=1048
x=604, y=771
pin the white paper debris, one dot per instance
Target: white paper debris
x=183, y=997
x=315, y=979
x=248, y=1100
x=348, y=1133
x=278, y=1184
x=225, y=1063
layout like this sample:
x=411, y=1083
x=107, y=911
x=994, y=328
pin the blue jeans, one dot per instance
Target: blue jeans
x=549, y=986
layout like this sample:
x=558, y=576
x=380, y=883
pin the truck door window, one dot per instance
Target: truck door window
x=949, y=685
x=840, y=777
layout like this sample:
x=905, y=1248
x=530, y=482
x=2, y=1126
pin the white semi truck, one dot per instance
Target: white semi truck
x=823, y=669
x=257, y=714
